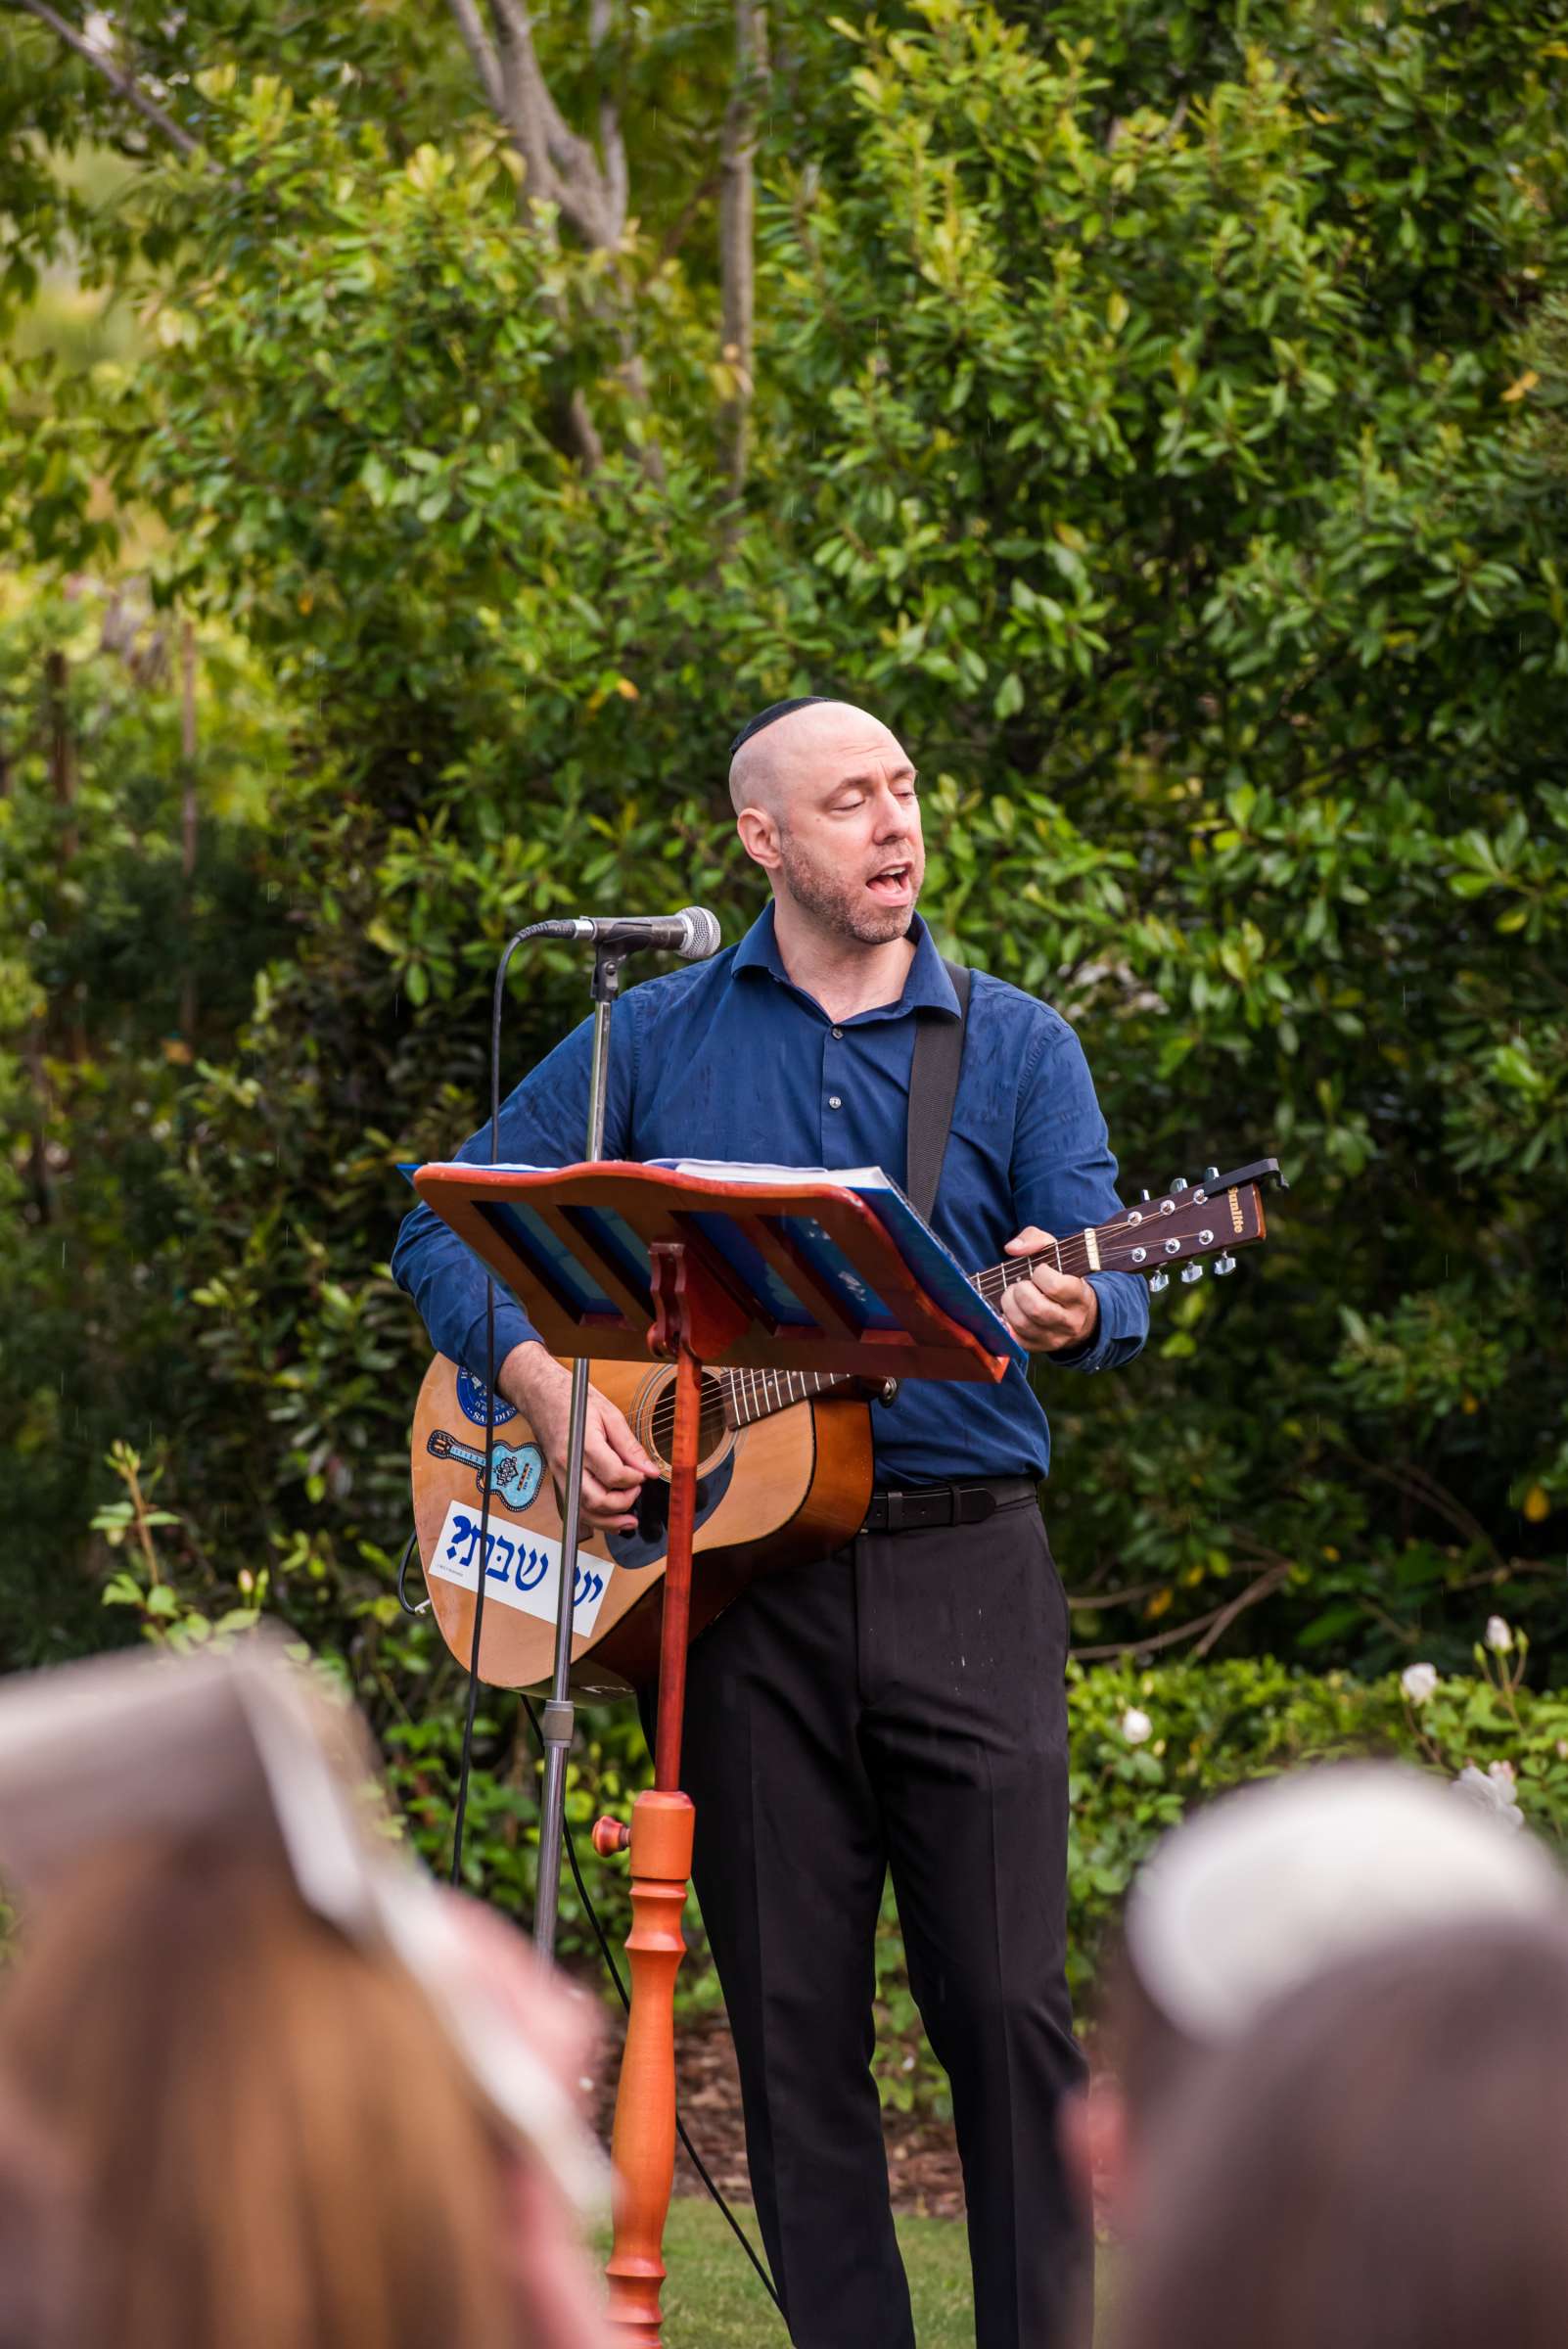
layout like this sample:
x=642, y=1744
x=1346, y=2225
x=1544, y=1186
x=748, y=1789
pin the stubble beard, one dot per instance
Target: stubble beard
x=841, y=906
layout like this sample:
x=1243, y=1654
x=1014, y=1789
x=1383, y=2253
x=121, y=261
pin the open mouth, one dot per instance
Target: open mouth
x=891, y=885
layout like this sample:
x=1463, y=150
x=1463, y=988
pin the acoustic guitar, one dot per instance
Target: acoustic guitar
x=784, y=1473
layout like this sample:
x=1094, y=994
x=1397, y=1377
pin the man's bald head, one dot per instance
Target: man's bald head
x=825, y=801
x=774, y=754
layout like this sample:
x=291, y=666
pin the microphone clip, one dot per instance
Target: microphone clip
x=605, y=986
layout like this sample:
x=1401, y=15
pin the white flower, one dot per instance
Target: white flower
x=1502, y=1775
x=1499, y=1637
x=1418, y=1681
x=1490, y=1792
x=1136, y=1726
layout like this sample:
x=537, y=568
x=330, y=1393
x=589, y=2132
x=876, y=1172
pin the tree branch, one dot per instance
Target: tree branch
x=509, y=75
x=1094, y=1600
x=561, y=169
x=190, y=820
x=519, y=108
x=1208, y=1628
x=564, y=167
x=128, y=88
x=615, y=186
x=482, y=49
x=1265, y=1585
x=583, y=430
x=737, y=211
x=1418, y=1485
x=611, y=144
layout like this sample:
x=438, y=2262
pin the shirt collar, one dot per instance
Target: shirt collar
x=927, y=988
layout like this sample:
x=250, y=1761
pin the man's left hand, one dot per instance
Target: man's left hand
x=1049, y=1311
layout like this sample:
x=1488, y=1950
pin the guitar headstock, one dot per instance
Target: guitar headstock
x=1188, y=1222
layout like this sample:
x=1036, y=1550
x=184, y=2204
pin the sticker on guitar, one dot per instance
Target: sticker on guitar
x=474, y=1401
x=516, y=1470
x=522, y=1568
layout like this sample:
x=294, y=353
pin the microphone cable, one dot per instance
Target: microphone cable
x=465, y=1762
x=460, y=1811
x=625, y=1996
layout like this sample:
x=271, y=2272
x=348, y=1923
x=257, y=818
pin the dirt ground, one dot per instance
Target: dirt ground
x=922, y=2160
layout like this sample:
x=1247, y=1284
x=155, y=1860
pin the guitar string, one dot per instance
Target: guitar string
x=993, y=1282
x=740, y=1388
x=990, y=1284
x=749, y=1407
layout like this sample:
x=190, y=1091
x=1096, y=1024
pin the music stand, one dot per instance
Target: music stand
x=772, y=1275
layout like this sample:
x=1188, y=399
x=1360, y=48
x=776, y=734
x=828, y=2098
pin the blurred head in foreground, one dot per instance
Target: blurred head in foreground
x=1380, y=2163
x=240, y=2098
x=1259, y=1894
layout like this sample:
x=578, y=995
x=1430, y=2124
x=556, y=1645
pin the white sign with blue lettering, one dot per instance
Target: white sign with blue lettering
x=522, y=1568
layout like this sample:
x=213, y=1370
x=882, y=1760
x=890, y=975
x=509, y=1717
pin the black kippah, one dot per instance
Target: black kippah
x=766, y=718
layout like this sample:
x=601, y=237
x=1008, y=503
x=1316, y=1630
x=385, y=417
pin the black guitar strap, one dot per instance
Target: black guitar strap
x=939, y=1050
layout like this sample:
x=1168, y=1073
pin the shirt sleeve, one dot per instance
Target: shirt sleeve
x=1064, y=1179
x=543, y=1123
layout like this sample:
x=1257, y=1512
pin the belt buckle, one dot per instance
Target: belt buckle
x=912, y=1512
x=972, y=1505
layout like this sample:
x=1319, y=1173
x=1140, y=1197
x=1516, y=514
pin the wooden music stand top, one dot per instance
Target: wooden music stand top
x=797, y=1275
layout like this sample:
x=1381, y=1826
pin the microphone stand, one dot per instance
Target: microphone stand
x=560, y=1715
x=693, y=935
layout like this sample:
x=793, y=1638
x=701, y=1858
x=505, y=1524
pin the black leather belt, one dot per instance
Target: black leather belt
x=923, y=1505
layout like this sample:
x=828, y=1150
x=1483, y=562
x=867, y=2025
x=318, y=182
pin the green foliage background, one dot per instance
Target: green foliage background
x=1159, y=417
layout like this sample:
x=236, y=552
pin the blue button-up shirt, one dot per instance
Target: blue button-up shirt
x=729, y=1059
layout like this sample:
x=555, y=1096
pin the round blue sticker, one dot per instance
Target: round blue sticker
x=472, y=1396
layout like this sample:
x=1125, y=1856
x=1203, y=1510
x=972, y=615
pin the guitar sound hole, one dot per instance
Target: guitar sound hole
x=659, y=1436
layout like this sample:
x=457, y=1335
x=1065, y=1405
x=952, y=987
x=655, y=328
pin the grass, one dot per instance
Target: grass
x=712, y=2299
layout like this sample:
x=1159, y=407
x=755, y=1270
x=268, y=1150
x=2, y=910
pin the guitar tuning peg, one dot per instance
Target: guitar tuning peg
x=1191, y=1273
x=1180, y=1183
x=1223, y=1263
x=1211, y=1173
x=1159, y=1280
x=1143, y=1198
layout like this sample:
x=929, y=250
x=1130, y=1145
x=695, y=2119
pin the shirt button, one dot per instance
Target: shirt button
x=838, y=1032
x=834, y=1102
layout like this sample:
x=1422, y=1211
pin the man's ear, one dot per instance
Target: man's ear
x=759, y=836
x=1091, y=2132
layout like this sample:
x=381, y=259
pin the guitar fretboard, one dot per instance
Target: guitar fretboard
x=752, y=1395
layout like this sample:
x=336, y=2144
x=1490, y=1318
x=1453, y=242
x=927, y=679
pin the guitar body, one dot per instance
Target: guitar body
x=789, y=1484
x=776, y=1493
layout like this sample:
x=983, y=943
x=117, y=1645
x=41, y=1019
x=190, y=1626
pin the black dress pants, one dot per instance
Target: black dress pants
x=900, y=1705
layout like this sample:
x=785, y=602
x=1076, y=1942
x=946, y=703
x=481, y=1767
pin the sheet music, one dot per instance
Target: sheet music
x=719, y=1169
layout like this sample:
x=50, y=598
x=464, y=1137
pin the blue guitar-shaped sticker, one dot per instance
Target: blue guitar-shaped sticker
x=516, y=1470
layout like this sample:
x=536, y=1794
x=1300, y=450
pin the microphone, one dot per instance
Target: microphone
x=692, y=933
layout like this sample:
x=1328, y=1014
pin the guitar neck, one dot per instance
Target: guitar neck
x=753, y=1395
x=1191, y=1221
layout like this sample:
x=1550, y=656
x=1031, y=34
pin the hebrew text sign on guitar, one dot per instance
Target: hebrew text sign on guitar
x=522, y=1567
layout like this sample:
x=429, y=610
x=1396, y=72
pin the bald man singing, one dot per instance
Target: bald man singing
x=898, y=1704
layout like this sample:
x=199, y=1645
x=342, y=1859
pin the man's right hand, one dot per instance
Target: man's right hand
x=614, y=1465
